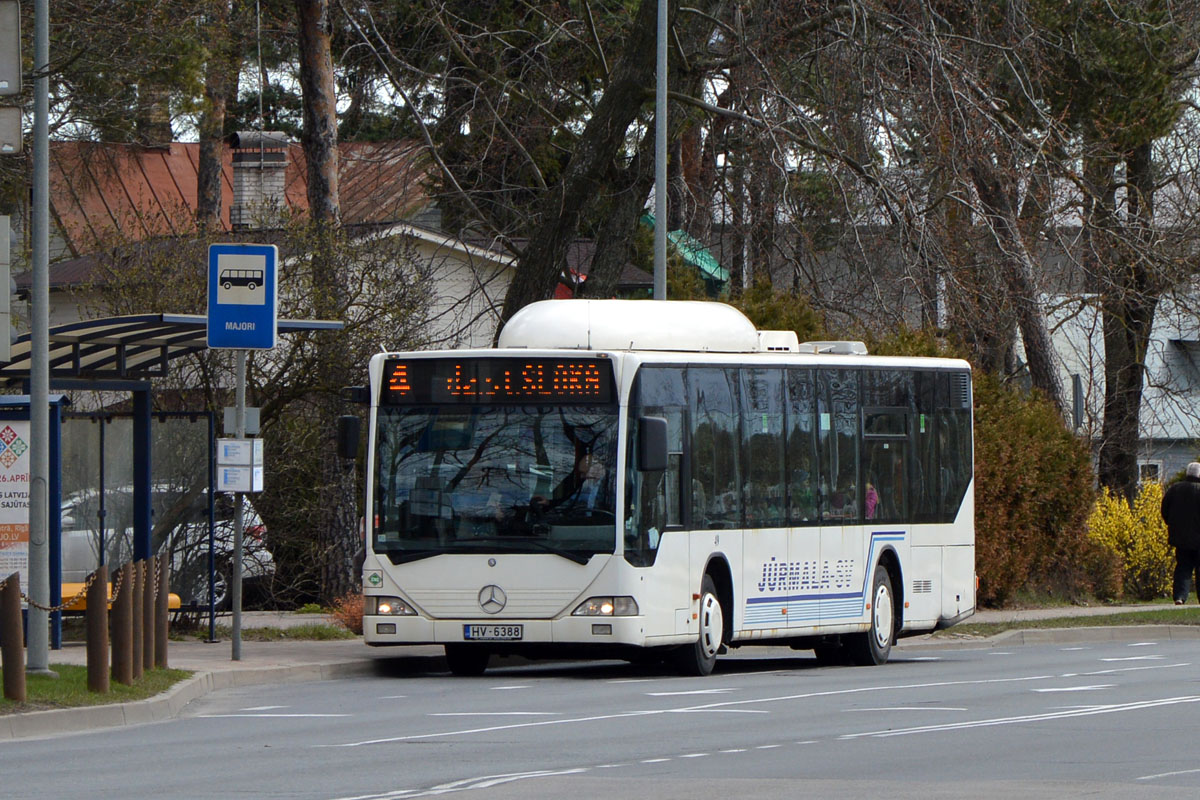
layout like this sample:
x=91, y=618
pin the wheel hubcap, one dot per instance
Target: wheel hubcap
x=883, y=617
x=712, y=624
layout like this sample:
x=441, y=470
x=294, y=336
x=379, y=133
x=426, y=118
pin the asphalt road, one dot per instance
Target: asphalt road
x=1116, y=719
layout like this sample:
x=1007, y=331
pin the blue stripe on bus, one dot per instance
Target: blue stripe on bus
x=818, y=606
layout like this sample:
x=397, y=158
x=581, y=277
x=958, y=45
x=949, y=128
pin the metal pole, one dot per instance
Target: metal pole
x=161, y=610
x=37, y=654
x=660, y=159
x=102, y=512
x=235, y=568
x=212, y=484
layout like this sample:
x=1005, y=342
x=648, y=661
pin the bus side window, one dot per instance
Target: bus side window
x=838, y=437
x=763, y=447
x=801, y=448
x=715, y=456
x=653, y=499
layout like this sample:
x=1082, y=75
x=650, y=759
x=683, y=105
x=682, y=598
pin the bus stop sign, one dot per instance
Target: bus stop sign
x=242, y=292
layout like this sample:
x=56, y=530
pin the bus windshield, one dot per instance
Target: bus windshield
x=495, y=478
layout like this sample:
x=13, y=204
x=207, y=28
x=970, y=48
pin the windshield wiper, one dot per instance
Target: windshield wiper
x=518, y=542
x=405, y=556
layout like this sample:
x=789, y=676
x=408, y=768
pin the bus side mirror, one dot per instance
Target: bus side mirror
x=652, y=444
x=348, y=428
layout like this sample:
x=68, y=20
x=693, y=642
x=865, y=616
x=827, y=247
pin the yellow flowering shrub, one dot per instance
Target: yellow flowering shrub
x=1137, y=535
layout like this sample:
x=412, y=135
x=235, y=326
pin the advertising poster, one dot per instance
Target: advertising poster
x=14, y=500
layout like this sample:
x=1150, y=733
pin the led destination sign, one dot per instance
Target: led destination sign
x=496, y=380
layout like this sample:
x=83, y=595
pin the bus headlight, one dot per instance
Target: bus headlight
x=390, y=606
x=607, y=607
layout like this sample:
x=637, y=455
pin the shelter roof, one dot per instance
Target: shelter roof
x=129, y=347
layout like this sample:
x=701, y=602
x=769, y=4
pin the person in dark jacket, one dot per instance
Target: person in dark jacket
x=1181, y=512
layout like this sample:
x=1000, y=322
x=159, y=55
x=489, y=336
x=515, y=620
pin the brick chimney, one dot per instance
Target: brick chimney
x=259, y=164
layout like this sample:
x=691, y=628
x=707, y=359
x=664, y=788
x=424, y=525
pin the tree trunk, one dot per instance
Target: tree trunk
x=1019, y=270
x=337, y=532
x=220, y=81
x=563, y=206
x=1129, y=301
x=319, y=134
x=614, y=240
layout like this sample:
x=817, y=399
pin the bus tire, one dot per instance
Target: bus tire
x=467, y=660
x=831, y=654
x=872, y=647
x=699, y=658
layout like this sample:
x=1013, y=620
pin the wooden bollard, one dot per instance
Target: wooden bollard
x=149, y=577
x=138, y=573
x=12, y=639
x=161, y=611
x=97, y=632
x=122, y=626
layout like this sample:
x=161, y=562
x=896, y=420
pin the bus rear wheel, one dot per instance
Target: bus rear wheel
x=873, y=647
x=467, y=660
x=700, y=657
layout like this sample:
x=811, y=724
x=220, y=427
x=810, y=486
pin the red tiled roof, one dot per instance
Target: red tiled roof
x=101, y=194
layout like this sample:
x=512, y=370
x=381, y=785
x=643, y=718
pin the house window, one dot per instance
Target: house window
x=1150, y=471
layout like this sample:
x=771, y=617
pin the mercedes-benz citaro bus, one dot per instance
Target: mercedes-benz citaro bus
x=647, y=479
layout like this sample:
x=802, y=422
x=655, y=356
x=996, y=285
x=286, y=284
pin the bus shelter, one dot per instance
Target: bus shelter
x=123, y=355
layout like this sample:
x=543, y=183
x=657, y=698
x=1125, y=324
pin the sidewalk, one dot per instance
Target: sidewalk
x=296, y=661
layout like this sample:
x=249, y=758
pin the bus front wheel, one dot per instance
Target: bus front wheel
x=467, y=660
x=700, y=657
x=873, y=647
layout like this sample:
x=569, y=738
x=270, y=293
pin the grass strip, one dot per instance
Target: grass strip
x=70, y=690
x=310, y=632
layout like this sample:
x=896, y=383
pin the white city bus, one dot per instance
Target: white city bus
x=659, y=479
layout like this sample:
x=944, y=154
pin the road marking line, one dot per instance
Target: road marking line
x=984, y=723
x=719, y=711
x=264, y=716
x=654, y=760
x=694, y=755
x=725, y=705
x=1143, y=644
x=507, y=688
x=1092, y=688
x=261, y=708
x=483, y=782
x=492, y=714
x=1115, y=670
x=1135, y=658
x=693, y=691
x=1167, y=774
x=735, y=750
x=905, y=708
x=768, y=746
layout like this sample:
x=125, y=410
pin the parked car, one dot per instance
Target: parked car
x=179, y=520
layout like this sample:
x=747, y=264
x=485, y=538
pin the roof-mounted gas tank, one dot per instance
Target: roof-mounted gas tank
x=680, y=325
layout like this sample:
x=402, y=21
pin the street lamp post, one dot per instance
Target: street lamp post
x=660, y=158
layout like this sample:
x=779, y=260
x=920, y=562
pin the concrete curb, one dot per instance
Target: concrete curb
x=1030, y=636
x=169, y=704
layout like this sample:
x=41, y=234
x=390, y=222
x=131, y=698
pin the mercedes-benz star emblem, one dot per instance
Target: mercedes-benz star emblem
x=492, y=599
